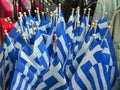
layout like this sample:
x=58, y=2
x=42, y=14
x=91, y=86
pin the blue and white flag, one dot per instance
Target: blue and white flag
x=69, y=27
x=54, y=79
x=108, y=50
x=62, y=43
x=69, y=72
x=91, y=73
x=40, y=49
x=10, y=58
x=28, y=71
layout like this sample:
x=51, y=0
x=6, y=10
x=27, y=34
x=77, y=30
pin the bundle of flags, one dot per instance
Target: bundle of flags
x=45, y=53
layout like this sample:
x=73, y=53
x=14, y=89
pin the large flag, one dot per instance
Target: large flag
x=62, y=43
x=40, y=49
x=69, y=27
x=10, y=58
x=54, y=79
x=108, y=49
x=91, y=73
x=49, y=37
x=79, y=35
x=69, y=72
x=61, y=18
x=28, y=71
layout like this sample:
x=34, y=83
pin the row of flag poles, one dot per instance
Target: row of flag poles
x=45, y=53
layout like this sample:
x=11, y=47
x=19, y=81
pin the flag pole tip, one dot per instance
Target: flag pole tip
x=94, y=35
x=109, y=27
x=106, y=13
x=18, y=31
x=42, y=13
x=27, y=23
x=59, y=4
x=29, y=11
x=19, y=13
x=78, y=7
x=73, y=9
x=47, y=9
x=89, y=9
x=37, y=24
x=93, y=24
x=24, y=13
x=78, y=22
x=24, y=37
x=5, y=31
x=56, y=14
x=35, y=11
x=55, y=35
x=85, y=9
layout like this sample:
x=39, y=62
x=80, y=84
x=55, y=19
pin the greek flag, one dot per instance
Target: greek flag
x=62, y=43
x=10, y=58
x=91, y=73
x=49, y=37
x=29, y=69
x=54, y=79
x=40, y=49
x=69, y=28
x=109, y=51
x=78, y=58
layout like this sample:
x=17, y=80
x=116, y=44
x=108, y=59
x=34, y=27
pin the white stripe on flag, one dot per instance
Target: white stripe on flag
x=75, y=85
x=112, y=75
x=32, y=62
x=24, y=82
x=17, y=82
x=94, y=75
x=63, y=44
x=102, y=76
x=46, y=58
x=84, y=79
x=103, y=25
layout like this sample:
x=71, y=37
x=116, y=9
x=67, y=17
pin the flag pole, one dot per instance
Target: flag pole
x=32, y=26
x=24, y=37
x=109, y=27
x=51, y=16
x=55, y=44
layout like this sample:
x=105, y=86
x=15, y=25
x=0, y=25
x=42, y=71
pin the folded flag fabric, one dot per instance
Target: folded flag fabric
x=91, y=73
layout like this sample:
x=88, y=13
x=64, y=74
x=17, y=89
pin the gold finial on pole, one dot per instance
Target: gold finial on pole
x=29, y=12
x=24, y=36
x=31, y=22
x=47, y=10
x=42, y=13
x=5, y=31
x=24, y=13
x=89, y=11
x=85, y=10
x=96, y=22
x=35, y=11
x=18, y=31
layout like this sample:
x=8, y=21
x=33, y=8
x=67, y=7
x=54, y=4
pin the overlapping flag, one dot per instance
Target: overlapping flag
x=45, y=53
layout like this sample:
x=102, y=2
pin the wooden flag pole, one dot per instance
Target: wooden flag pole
x=31, y=22
x=55, y=44
x=51, y=16
x=24, y=37
x=109, y=27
